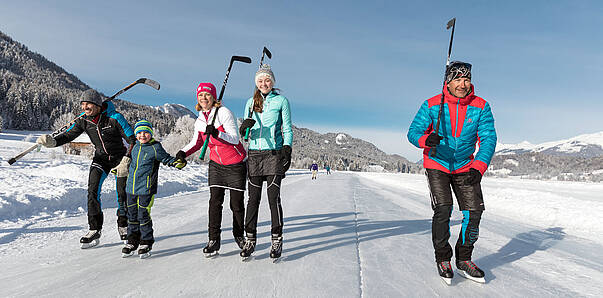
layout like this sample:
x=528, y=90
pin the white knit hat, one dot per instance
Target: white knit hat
x=265, y=70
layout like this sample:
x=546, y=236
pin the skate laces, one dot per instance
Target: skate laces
x=129, y=246
x=248, y=245
x=445, y=265
x=90, y=233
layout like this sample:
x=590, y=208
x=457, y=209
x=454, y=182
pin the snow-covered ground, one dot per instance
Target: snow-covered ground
x=346, y=235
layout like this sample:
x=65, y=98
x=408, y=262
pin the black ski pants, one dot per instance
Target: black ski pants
x=471, y=203
x=274, y=200
x=99, y=170
x=216, y=199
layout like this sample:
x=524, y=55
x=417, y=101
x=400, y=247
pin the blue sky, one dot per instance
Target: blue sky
x=357, y=67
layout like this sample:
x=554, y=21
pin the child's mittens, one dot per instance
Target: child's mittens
x=179, y=163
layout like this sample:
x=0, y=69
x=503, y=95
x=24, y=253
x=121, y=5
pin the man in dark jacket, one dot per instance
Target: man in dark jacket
x=106, y=129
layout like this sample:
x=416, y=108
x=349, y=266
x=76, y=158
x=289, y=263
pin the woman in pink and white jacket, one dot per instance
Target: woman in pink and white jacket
x=227, y=165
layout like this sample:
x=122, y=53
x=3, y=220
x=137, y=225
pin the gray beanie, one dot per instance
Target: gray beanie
x=92, y=96
x=265, y=70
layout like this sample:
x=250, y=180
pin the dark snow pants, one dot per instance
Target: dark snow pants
x=471, y=203
x=237, y=206
x=140, y=225
x=274, y=200
x=99, y=170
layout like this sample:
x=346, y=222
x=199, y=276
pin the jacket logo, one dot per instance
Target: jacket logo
x=469, y=120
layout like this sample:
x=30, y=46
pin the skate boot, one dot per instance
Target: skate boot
x=240, y=241
x=123, y=234
x=277, y=247
x=128, y=250
x=470, y=271
x=144, y=251
x=445, y=271
x=212, y=247
x=91, y=239
x=248, y=248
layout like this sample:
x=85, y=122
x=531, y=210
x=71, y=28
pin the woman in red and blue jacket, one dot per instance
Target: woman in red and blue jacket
x=466, y=121
x=227, y=165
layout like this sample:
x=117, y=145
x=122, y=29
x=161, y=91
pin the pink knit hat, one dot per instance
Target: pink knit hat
x=209, y=88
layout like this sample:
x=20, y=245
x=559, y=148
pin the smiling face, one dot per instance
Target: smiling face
x=264, y=84
x=90, y=109
x=460, y=87
x=143, y=137
x=205, y=100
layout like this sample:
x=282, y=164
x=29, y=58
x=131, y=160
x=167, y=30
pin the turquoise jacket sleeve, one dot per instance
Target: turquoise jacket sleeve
x=420, y=125
x=287, y=129
x=486, y=134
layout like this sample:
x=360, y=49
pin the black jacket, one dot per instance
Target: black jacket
x=106, y=134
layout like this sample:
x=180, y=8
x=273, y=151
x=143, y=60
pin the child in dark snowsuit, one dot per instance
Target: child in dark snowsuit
x=141, y=188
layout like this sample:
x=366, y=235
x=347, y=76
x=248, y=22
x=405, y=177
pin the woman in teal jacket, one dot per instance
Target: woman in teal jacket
x=270, y=138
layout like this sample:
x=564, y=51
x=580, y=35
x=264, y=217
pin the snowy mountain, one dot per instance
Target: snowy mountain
x=578, y=158
x=347, y=234
x=341, y=151
x=177, y=110
x=586, y=145
x=35, y=92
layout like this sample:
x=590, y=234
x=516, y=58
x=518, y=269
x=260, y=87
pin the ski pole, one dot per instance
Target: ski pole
x=59, y=131
x=452, y=24
x=232, y=60
x=267, y=52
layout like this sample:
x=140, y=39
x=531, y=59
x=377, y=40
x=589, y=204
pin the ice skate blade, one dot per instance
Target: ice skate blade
x=124, y=255
x=211, y=254
x=475, y=279
x=145, y=255
x=247, y=259
x=94, y=243
x=276, y=260
x=447, y=280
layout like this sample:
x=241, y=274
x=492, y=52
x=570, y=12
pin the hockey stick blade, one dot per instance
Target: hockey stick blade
x=241, y=59
x=268, y=53
x=450, y=23
x=151, y=83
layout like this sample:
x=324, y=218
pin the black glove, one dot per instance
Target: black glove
x=181, y=155
x=433, y=140
x=287, y=153
x=474, y=177
x=247, y=123
x=212, y=131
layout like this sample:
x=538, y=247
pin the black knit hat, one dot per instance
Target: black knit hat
x=92, y=96
x=458, y=69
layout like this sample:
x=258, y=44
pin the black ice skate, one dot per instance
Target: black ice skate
x=248, y=248
x=123, y=234
x=212, y=247
x=470, y=271
x=445, y=271
x=144, y=251
x=128, y=250
x=240, y=241
x=91, y=239
x=277, y=248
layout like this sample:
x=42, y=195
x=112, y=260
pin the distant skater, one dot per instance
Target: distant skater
x=328, y=170
x=314, y=169
x=466, y=120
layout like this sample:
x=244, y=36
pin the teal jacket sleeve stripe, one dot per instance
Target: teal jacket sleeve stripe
x=487, y=136
x=287, y=129
x=420, y=124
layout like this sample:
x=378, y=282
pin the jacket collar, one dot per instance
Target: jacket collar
x=453, y=99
